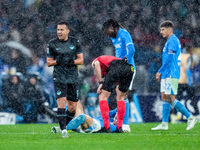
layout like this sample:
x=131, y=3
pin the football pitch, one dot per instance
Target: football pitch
x=39, y=137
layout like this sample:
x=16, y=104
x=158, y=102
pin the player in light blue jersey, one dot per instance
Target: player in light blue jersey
x=121, y=40
x=169, y=74
x=124, y=48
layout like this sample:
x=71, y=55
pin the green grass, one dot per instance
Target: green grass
x=38, y=137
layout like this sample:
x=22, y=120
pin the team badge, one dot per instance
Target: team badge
x=59, y=92
x=71, y=47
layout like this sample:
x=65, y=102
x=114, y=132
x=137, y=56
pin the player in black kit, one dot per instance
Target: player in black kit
x=64, y=53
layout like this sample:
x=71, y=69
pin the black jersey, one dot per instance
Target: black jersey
x=68, y=49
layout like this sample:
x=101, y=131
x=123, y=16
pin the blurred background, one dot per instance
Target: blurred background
x=26, y=26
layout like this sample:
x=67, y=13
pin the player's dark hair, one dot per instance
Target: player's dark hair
x=167, y=24
x=111, y=23
x=64, y=23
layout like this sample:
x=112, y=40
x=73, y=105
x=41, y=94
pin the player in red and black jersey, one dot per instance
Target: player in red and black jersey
x=116, y=71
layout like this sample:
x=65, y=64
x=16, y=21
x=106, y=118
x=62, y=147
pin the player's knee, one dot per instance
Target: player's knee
x=84, y=126
x=71, y=108
x=102, y=97
x=61, y=102
x=170, y=98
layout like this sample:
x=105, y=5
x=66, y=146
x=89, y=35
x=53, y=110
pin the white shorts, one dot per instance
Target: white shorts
x=169, y=86
x=131, y=84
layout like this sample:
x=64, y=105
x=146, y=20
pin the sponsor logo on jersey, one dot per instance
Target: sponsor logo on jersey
x=118, y=45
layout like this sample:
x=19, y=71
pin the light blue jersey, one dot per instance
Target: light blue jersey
x=171, y=58
x=124, y=46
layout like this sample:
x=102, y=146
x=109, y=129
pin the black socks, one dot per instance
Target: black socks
x=61, y=118
x=69, y=116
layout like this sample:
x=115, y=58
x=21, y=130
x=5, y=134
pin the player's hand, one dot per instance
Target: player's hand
x=125, y=59
x=69, y=62
x=99, y=89
x=64, y=62
x=158, y=76
x=59, y=60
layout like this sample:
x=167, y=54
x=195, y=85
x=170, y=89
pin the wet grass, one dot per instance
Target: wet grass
x=38, y=137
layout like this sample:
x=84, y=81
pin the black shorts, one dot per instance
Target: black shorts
x=119, y=72
x=70, y=91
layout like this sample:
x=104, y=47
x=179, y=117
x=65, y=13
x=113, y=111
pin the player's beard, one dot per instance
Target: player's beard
x=113, y=35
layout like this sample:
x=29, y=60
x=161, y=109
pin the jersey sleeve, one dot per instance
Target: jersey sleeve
x=127, y=38
x=78, y=48
x=49, y=51
x=129, y=47
x=173, y=46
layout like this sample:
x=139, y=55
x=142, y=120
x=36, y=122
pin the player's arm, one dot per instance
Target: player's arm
x=79, y=54
x=51, y=62
x=129, y=47
x=50, y=56
x=79, y=60
x=130, y=52
x=166, y=64
x=97, y=68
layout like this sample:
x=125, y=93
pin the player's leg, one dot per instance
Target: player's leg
x=60, y=90
x=120, y=107
x=72, y=97
x=104, y=108
x=79, y=108
x=109, y=82
x=125, y=125
x=178, y=105
x=76, y=122
x=124, y=83
x=166, y=107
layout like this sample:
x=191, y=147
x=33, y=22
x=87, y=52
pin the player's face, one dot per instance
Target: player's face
x=62, y=32
x=165, y=32
x=111, y=32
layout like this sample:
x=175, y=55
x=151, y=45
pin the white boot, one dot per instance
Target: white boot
x=162, y=126
x=64, y=133
x=191, y=122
